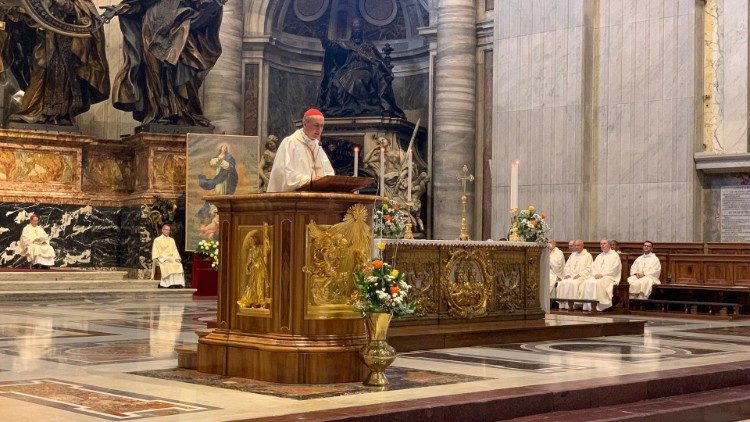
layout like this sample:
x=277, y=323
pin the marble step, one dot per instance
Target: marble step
x=64, y=285
x=94, y=294
x=61, y=275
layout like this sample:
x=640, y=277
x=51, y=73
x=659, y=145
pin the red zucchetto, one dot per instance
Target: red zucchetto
x=313, y=112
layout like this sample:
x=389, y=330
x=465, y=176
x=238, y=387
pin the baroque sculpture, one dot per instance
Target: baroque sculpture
x=169, y=47
x=61, y=68
x=356, y=78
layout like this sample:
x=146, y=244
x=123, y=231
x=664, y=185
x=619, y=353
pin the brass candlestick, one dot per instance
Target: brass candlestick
x=513, y=235
x=464, y=177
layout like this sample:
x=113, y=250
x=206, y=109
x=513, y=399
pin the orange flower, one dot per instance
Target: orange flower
x=395, y=207
x=377, y=264
x=533, y=224
x=387, y=218
x=544, y=216
x=394, y=290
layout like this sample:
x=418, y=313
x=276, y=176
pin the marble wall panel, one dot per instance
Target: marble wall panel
x=599, y=173
x=289, y=95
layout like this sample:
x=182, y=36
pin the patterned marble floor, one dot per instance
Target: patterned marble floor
x=114, y=360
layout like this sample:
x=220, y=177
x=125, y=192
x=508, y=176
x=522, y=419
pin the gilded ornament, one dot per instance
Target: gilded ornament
x=256, y=280
x=333, y=253
x=466, y=282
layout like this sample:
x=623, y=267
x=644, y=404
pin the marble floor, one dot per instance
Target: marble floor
x=114, y=360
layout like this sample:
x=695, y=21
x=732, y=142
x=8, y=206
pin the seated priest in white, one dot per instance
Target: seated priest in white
x=644, y=273
x=300, y=158
x=164, y=254
x=556, y=265
x=606, y=272
x=576, y=270
x=35, y=244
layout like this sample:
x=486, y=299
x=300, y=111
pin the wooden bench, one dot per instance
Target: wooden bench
x=730, y=310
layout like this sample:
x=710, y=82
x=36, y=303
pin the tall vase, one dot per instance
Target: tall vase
x=377, y=354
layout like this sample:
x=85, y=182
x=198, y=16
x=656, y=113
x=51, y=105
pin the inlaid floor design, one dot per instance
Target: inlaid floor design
x=115, y=360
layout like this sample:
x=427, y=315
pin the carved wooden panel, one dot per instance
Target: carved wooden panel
x=686, y=272
x=742, y=274
x=718, y=273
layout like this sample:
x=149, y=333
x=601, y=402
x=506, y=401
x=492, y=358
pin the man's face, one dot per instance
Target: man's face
x=647, y=247
x=34, y=220
x=313, y=126
x=166, y=230
x=551, y=245
x=572, y=246
x=604, y=244
x=578, y=246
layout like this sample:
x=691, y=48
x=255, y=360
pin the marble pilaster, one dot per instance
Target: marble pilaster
x=455, y=113
x=222, y=89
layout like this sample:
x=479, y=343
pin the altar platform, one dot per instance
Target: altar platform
x=62, y=284
x=70, y=361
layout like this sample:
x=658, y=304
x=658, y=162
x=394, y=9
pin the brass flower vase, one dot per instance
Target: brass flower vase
x=377, y=354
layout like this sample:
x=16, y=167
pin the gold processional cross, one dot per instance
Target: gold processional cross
x=464, y=178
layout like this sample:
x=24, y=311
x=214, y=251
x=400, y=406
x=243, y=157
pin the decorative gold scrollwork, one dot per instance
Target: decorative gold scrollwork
x=256, y=281
x=466, y=282
x=508, y=296
x=333, y=253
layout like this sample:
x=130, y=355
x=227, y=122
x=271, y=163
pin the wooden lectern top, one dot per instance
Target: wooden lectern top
x=337, y=184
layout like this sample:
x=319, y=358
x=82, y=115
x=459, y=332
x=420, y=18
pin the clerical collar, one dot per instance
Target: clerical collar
x=647, y=253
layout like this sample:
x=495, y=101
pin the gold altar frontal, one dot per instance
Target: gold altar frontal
x=460, y=281
x=285, y=307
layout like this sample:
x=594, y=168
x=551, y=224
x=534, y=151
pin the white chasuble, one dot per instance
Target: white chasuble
x=298, y=160
x=607, y=264
x=650, y=267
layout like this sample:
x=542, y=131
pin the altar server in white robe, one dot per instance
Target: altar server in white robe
x=556, y=266
x=644, y=273
x=577, y=269
x=35, y=244
x=606, y=272
x=300, y=158
x=165, y=254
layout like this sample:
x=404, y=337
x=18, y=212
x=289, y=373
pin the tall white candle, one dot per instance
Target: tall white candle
x=356, y=161
x=514, y=184
x=409, y=163
x=382, y=171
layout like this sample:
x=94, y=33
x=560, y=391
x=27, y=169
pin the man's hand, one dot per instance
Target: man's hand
x=566, y=277
x=598, y=276
x=639, y=275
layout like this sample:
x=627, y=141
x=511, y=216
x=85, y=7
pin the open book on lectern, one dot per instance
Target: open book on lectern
x=337, y=184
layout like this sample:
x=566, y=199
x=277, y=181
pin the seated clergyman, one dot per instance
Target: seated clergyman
x=35, y=244
x=556, y=265
x=606, y=272
x=165, y=255
x=577, y=269
x=644, y=273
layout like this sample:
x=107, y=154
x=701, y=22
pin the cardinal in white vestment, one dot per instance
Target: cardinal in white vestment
x=300, y=158
x=164, y=253
x=606, y=272
x=644, y=273
x=576, y=270
x=556, y=265
x=35, y=244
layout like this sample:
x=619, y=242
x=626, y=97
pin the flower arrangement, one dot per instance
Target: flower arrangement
x=210, y=249
x=530, y=225
x=390, y=221
x=382, y=289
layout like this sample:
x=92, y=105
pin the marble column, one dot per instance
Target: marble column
x=454, y=114
x=222, y=89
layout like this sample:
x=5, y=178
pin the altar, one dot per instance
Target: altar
x=458, y=281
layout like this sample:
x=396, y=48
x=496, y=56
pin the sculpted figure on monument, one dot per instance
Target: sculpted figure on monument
x=60, y=75
x=169, y=47
x=356, y=78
